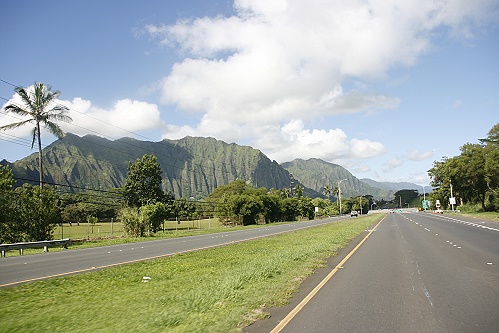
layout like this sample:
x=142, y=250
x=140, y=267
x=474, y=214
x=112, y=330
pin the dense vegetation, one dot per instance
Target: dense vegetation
x=471, y=177
x=30, y=213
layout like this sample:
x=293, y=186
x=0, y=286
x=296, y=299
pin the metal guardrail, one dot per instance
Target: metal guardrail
x=34, y=245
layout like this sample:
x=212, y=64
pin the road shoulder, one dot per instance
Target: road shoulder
x=277, y=314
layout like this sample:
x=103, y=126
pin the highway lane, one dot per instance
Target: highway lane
x=418, y=272
x=20, y=269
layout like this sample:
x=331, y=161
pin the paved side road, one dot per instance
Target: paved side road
x=417, y=272
x=20, y=269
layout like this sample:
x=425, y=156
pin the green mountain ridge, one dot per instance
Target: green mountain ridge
x=391, y=186
x=192, y=167
x=316, y=173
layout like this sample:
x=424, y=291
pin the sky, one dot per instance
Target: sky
x=383, y=88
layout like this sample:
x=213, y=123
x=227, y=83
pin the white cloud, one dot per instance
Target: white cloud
x=394, y=163
x=416, y=155
x=361, y=169
x=293, y=140
x=124, y=117
x=272, y=61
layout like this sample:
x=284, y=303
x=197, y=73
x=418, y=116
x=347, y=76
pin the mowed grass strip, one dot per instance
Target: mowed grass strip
x=216, y=290
x=102, y=236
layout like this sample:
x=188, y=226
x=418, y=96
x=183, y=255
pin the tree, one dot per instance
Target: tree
x=336, y=191
x=248, y=207
x=223, y=208
x=40, y=108
x=298, y=191
x=152, y=216
x=491, y=151
x=233, y=188
x=6, y=200
x=468, y=173
x=327, y=191
x=306, y=208
x=272, y=207
x=405, y=196
x=473, y=175
x=143, y=182
x=290, y=209
x=37, y=213
x=183, y=208
x=132, y=224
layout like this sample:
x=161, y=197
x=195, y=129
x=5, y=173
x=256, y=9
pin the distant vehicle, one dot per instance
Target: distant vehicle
x=353, y=213
x=439, y=211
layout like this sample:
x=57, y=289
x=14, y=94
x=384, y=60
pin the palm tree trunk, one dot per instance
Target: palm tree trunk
x=40, y=162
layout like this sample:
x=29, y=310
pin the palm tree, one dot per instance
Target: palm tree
x=36, y=108
x=326, y=191
x=336, y=191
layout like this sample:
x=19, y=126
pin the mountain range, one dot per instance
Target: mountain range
x=192, y=167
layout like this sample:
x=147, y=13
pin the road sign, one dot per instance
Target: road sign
x=425, y=204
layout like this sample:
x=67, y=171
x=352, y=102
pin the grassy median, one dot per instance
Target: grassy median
x=215, y=290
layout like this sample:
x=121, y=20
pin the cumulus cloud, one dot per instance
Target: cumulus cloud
x=123, y=119
x=416, y=155
x=394, y=163
x=263, y=73
x=125, y=116
x=294, y=140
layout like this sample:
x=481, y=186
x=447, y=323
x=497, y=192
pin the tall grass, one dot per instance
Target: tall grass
x=215, y=290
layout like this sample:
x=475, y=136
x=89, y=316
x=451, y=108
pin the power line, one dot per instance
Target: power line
x=220, y=168
x=104, y=122
x=65, y=185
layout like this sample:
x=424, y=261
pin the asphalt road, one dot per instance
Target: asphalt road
x=21, y=269
x=417, y=272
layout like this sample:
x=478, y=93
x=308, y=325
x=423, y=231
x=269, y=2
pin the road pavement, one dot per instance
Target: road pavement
x=21, y=269
x=417, y=272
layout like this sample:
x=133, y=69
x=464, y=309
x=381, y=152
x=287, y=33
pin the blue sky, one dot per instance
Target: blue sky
x=383, y=88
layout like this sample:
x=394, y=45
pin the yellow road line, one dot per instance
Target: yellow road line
x=307, y=299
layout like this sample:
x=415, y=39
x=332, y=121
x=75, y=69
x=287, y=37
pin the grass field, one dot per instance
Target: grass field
x=215, y=290
x=491, y=216
x=110, y=229
x=107, y=233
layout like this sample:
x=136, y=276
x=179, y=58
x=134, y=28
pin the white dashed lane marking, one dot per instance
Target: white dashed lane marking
x=449, y=219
